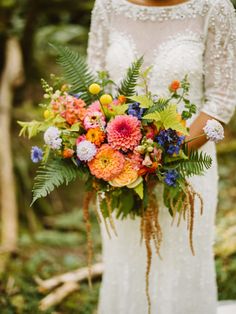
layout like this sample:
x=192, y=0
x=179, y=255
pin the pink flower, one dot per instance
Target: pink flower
x=136, y=160
x=80, y=139
x=94, y=120
x=124, y=132
x=95, y=106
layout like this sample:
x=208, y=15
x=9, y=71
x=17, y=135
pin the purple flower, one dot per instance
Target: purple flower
x=52, y=137
x=36, y=154
x=171, y=177
x=135, y=110
x=170, y=141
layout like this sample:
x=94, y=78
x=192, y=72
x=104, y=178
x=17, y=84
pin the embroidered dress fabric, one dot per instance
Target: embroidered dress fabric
x=197, y=38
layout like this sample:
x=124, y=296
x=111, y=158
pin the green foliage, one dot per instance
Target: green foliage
x=31, y=128
x=52, y=175
x=129, y=83
x=197, y=164
x=168, y=119
x=76, y=72
x=144, y=101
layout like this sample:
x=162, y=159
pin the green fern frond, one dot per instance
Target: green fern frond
x=129, y=83
x=76, y=71
x=158, y=106
x=197, y=164
x=52, y=175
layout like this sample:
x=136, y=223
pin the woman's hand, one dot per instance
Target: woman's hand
x=196, y=129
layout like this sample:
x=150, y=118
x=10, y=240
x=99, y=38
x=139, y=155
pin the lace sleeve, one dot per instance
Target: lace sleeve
x=220, y=62
x=98, y=35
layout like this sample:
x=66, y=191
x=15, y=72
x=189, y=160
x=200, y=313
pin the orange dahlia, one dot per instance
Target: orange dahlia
x=127, y=176
x=124, y=132
x=107, y=163
x=96, y=136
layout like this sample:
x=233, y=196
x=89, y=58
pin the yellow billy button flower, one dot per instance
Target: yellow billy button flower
x=94, y=89
x=105, y=99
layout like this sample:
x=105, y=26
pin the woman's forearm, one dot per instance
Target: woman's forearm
x=196, y=129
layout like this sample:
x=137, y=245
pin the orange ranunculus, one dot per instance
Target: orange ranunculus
x=127, y=176
x=174, y=86
x=96, y=136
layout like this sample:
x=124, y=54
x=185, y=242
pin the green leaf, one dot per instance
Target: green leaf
x=144, y=101
x=52, y=175
x=139, y=190
x=76, y=72
x=128, y=85
x=169, y=119
x=119, y=110
x=197, y=164
x=75, y=127
x=31, y=128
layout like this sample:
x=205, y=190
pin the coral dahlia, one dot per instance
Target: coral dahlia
x=124, y=132
x=107, y=164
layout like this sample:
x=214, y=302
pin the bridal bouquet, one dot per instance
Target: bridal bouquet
x=123, y=143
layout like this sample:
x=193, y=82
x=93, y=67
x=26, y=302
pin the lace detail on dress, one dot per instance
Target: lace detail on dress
x=189, y=9
x=220, y=70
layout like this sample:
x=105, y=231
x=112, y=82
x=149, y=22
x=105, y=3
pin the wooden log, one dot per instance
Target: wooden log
x=58, y=295
x=78, y=275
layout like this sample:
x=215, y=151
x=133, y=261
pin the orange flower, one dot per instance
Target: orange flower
x=68, y=153
x=122, y=99
x=182, y=121
x=107, y=164
x=127, y=176
x=144, y=170
x=174, y=86
x=96, y=136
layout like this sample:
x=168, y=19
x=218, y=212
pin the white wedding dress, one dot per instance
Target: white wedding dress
x=197, y=38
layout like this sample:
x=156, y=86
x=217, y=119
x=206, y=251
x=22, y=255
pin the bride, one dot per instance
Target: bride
x=177, y=37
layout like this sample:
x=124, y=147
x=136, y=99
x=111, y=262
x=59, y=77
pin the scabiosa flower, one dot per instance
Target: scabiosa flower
x=214, y=131
x=52, y=137
x=124, y=132
x=135, y=110
x=94, y=120
x=170, y=141
x=36, y=154
x=171, y=177
x=107, y=164
x=86, y=150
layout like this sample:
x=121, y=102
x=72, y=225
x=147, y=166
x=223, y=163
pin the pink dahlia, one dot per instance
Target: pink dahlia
x=124, y=132
x=107, y=163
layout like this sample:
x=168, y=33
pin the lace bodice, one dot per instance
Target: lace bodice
x=197, y=37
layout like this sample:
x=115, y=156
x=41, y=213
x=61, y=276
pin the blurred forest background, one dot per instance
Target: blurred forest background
x=49, y=239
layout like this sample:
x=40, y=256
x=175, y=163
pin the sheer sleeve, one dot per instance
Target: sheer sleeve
x=98, y=35
x=220, y=62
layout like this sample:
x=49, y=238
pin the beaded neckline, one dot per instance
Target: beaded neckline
x=188, y=9
x=160, y=7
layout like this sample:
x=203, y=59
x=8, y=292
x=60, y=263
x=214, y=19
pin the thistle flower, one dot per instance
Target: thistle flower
x=214, y=131
x=36, y=154
x=86, y=150
x=52, y=137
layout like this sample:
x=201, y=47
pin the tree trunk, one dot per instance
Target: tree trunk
x=12, y=76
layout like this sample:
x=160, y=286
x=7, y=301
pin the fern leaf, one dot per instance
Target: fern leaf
x=197, y=164
x=129, y=83
x=76, y=71
x=52, y=175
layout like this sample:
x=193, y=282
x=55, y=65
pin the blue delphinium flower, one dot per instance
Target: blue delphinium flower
x=170, y=141
x=135, y=110
x=171, y=177
x=36, y=154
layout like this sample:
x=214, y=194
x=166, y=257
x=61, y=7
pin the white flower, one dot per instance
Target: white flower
x=86, y=150
x=214, y=131
x=52, y=137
